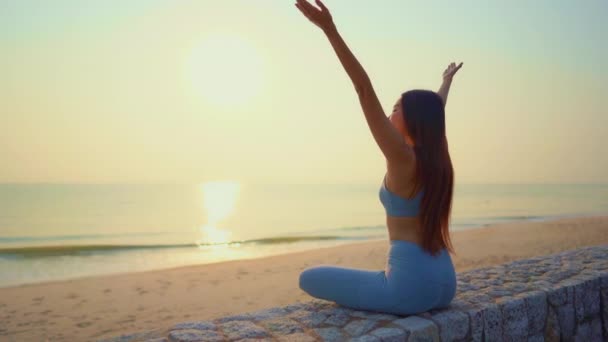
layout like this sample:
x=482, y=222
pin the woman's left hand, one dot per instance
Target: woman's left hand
x=451, y=70
x=320, y=17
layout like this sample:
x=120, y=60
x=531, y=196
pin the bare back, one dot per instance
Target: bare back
x=400, y=181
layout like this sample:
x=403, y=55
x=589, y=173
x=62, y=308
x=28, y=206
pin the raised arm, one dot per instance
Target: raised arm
x=391, y=142
x=448, y=76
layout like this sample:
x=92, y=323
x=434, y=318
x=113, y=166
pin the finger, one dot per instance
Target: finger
x=304, y=12
x=303, y=4
x=310, y=10
x=301, y=9
x=308, y=6
x=321, y=5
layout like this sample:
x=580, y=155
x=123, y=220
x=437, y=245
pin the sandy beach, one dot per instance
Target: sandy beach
x=99, y=307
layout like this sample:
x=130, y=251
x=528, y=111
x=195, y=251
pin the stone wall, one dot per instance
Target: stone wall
x=559, y=297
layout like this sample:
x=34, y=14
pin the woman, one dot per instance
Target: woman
x=416, y=193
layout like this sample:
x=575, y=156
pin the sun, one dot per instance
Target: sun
x=225, y=70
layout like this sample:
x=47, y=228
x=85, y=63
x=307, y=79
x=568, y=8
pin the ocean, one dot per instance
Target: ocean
x=54, y=232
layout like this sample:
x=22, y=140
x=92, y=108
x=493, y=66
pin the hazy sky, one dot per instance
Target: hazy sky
x=191, y=91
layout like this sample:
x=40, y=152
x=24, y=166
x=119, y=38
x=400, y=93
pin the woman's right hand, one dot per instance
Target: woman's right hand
x=320, y=17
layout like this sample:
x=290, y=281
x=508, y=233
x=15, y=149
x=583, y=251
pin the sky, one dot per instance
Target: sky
x=193, y=91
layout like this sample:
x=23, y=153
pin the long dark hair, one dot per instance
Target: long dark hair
x=424, y=115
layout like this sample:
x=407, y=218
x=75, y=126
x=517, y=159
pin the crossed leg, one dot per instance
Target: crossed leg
x=349, y=287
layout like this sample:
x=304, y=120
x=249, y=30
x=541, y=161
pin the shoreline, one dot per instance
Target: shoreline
x=103, y=306
x=299, y=247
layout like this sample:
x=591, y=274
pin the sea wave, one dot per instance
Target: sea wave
x=59, y=250
x=43, y=248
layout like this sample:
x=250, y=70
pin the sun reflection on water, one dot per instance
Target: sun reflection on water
x=219, y=201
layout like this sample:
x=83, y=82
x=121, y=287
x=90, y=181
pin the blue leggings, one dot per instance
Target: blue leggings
x=412, y=282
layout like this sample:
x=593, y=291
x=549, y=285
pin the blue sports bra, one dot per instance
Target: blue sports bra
x=396, y=205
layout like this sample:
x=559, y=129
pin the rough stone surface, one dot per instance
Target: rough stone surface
x=419, y=328
x=281, y=326
x=337, y=317
x=192, y=335
x=359, y=327
x=536, y=310
x=604, y=304
x=235, y=330
x=268, y=314
x=297, y=337
x=308, y=319
x=202, y=325
x=552, y=331
x=492, y=323
x=566, y=319
x=559, y=297
x=453, y=325
x=596, y=330
x=389, y=334
x=365, y=338
x=331, y=334
x=515, y=320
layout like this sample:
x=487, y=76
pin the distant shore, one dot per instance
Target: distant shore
x=104, y=306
